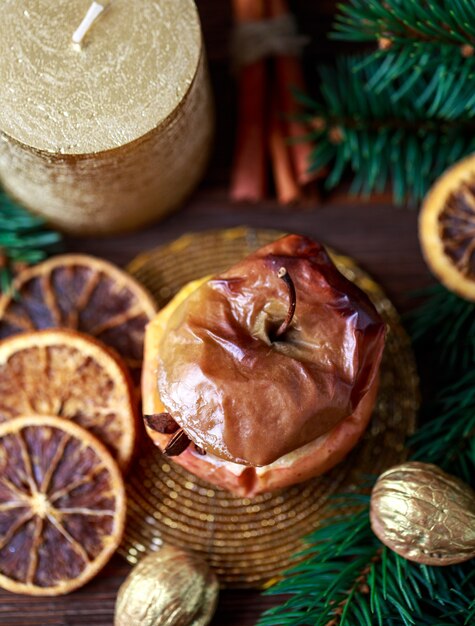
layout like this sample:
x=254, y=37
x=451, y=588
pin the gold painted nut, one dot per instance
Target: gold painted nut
x=168, y=588
x=424, y=514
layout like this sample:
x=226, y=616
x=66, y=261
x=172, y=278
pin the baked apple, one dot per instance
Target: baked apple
x=265, y=375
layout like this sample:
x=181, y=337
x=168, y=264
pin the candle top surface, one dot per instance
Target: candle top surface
x=136, y=62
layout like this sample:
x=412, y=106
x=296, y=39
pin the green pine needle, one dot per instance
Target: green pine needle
x=447, y=436
x=24, y=238
x=414, y=37
x=444, y=328
x=443, y=331
x=348, y=578
x=391, y=134
x=441, y=23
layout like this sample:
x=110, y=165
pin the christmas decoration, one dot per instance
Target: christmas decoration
x=346, y=576
x=443, y=330
x=413, y=37
x=447, y=228
x=62, y=503
x=401, y=113
x=167, y=588
x=380, y=137
x=24, y=239
x=64, y=373
x=424, y=514
x=82, y=293
x=269, y=117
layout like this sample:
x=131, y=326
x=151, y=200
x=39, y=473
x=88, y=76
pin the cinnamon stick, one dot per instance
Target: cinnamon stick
x=248, y=182
x=285, y=181
x=290, y=76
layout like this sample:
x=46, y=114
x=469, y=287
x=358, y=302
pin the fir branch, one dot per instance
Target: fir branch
x=24, y=239
x=382, y=139
x=447, y=436
x=442, y=23
x=443, y=329
x=412, y=36
x=348, y=578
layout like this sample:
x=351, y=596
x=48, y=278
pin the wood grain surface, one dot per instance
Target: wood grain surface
x=381, y=237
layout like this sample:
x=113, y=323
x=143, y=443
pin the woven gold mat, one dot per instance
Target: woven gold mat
x=248, y=542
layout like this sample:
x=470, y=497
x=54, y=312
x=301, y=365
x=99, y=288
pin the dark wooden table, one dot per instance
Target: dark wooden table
x=381, y=237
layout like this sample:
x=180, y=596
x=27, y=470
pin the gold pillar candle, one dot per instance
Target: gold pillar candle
x=110, y=133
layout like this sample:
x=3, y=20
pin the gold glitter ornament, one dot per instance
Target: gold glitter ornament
x=424, y=514
x=167, y=588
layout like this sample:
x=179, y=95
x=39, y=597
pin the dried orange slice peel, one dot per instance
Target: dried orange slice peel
x=82, y=293
x=67, y=374
x=447, y=228
x=62, y=506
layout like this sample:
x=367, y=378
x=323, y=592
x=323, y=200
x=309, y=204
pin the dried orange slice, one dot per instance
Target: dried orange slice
x=62, y=506
x=447, y=228
x=82, y=293
x=64, y=373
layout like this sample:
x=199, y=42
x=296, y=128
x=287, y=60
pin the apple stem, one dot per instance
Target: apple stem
x=284, y=327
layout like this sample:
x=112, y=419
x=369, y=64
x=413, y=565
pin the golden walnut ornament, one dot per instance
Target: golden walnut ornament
x=424, y=514
x=168, y=588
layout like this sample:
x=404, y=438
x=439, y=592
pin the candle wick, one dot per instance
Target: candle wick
x=91, y=16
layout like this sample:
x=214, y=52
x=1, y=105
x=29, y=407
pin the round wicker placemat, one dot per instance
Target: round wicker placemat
x=247, y=542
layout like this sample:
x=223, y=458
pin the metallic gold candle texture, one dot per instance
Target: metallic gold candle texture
x=113, y=131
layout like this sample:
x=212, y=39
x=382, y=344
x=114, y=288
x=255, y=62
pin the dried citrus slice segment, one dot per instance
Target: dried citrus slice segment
x=447, y=228
x=64, y=373
x=81, y=293
x=62, y=505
